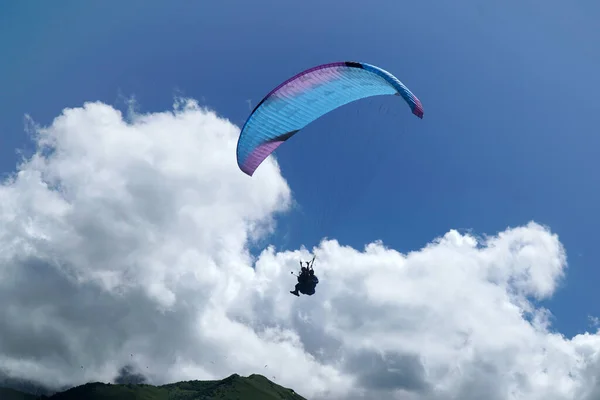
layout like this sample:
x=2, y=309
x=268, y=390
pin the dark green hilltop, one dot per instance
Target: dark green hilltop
x=235, y=387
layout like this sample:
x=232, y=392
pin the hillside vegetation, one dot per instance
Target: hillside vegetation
x=235, y=387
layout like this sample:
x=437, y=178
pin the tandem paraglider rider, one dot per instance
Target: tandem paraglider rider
x=307, y=280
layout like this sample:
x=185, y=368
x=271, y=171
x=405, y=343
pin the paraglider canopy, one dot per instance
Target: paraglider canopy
x=307, y=96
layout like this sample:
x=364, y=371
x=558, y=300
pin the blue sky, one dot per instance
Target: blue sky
x=509, y=92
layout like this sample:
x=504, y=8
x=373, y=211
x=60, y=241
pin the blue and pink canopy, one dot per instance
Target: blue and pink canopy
x=307, y=96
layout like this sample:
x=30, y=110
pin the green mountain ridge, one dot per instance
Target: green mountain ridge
x=234, y=387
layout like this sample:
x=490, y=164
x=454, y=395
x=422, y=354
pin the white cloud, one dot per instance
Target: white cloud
x=124, y=241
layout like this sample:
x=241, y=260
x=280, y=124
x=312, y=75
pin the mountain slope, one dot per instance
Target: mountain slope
x=10, y=394
x=235, y=387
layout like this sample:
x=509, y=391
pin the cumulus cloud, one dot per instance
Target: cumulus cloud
x=124, y=255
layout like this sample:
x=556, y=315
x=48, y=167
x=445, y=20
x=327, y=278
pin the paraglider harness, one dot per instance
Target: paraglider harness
x=307, y=280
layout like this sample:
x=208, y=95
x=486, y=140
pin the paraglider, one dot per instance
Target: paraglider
x=307, y=280
x=300, y=100
x=307, y=96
